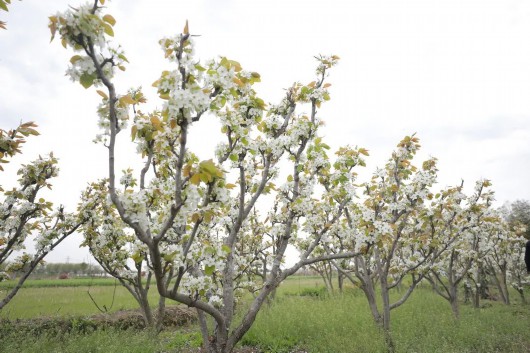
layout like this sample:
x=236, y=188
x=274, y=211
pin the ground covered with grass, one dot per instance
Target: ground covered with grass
x=302, y=318
x=423, y=324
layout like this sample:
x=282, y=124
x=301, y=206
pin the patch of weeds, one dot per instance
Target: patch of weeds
x=177, y=341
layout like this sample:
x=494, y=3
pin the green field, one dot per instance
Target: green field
x=69, y=300
x=302, y=317
x=74, y=282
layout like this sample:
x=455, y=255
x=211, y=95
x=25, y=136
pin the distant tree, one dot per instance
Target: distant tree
x=463, y=222
x=113, y=245
x=517, y=215
x=389, y=231
x=23, y=214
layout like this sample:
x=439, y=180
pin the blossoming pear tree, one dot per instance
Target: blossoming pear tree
x=517, y=215
x=24, y=215
x=460, y=220
x=388, y=229
x=114, y=246
x=519, y=278
x=192, y=215
x=502, y=244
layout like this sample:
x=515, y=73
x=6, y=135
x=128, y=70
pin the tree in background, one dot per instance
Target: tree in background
x=114, y=246
x=24, y=215
x=462, y=222
x=517, y=214
x=389, y=231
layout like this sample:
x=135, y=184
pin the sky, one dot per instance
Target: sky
x=455, y=72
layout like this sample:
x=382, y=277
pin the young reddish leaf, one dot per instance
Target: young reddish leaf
x=127, y=100
x=195, y=179
x=109, y=19
x=102, y=94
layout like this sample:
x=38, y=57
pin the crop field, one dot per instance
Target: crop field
x=303, y=317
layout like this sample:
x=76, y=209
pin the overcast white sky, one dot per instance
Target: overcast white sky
x=456, y=72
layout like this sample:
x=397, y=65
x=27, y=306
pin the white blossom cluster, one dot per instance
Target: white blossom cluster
x=80, y=21
x=103, y=111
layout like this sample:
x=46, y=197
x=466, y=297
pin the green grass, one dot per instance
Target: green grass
x=107, y=341
x=303, y=316
x=343, y=324
x=50, y=301
x=73, y=282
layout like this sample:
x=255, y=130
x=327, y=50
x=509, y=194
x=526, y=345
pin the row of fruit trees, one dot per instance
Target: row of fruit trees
x=206, y=231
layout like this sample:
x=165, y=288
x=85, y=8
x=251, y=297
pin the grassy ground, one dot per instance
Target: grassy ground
x=71, y=282
x=302, y=317
x=424, y=324
x=47, y=300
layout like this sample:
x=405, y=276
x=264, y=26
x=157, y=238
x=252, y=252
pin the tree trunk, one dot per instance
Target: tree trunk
x=476, y=298
x=453, y=299
x=146, y=312
x=14, y=291
x=340, y=278
x=161, y=313
x=369, y=292
x=390, y=345
x=521, y=294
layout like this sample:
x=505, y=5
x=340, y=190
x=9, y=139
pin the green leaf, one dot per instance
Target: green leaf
x=87, y=80
x=108, y=29
x=123, y=57
x=137, y=257
x=208, y=215
x=3, y=6
x=169, y=257
x=75, y=58
x=210, y=168
x=226, y=249
x=209, y=270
